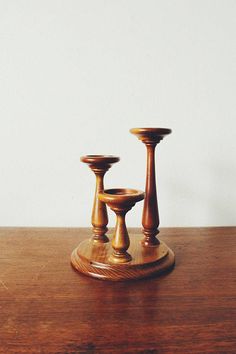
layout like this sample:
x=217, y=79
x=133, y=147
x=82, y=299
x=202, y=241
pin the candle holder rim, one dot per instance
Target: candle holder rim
x=121, y=195
x=151, y=131
x=97, y=159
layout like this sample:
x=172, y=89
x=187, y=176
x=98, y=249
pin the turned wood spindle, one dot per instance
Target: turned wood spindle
x=99, y=217
x=150, y=219
x=120, y=241
x=99, y=164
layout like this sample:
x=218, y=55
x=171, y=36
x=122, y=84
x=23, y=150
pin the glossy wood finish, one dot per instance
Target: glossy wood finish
x=122, y=258
x=120, y=201
x=99, y=164
x=150, y=220
x=96, y=260
x=45, y=307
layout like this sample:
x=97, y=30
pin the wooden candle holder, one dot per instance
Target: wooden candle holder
x=120, y=201
x=150, y=221
x=127, y=256
x=99, y=164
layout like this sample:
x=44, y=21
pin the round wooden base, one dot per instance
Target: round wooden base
x=93, y=259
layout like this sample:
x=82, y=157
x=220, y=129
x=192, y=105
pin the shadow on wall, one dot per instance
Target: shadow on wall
x=211, y=201
x=221, y=198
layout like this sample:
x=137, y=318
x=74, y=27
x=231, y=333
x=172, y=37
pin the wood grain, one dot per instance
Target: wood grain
x=94, y=259
x=46, y=307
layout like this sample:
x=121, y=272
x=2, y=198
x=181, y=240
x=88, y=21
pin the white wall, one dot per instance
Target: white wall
x=76, y=75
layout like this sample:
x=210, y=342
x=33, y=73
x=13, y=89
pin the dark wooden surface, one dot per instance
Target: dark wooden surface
x=46, y=307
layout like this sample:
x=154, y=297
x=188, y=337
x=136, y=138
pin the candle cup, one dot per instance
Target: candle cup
x=120, y=200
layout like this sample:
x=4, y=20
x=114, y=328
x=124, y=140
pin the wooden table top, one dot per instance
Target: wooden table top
x=46, y=307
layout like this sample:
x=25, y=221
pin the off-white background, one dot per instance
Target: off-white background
x=76, y=75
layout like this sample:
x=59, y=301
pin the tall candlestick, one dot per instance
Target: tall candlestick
x=150, y=220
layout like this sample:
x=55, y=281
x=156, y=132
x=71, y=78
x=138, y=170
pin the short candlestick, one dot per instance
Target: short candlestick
x=121, y=200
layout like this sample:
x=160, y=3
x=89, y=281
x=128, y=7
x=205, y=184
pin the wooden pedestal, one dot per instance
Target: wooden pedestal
x=93, y=259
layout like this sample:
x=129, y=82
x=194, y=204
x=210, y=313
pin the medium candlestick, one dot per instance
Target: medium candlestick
x=99, y=164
